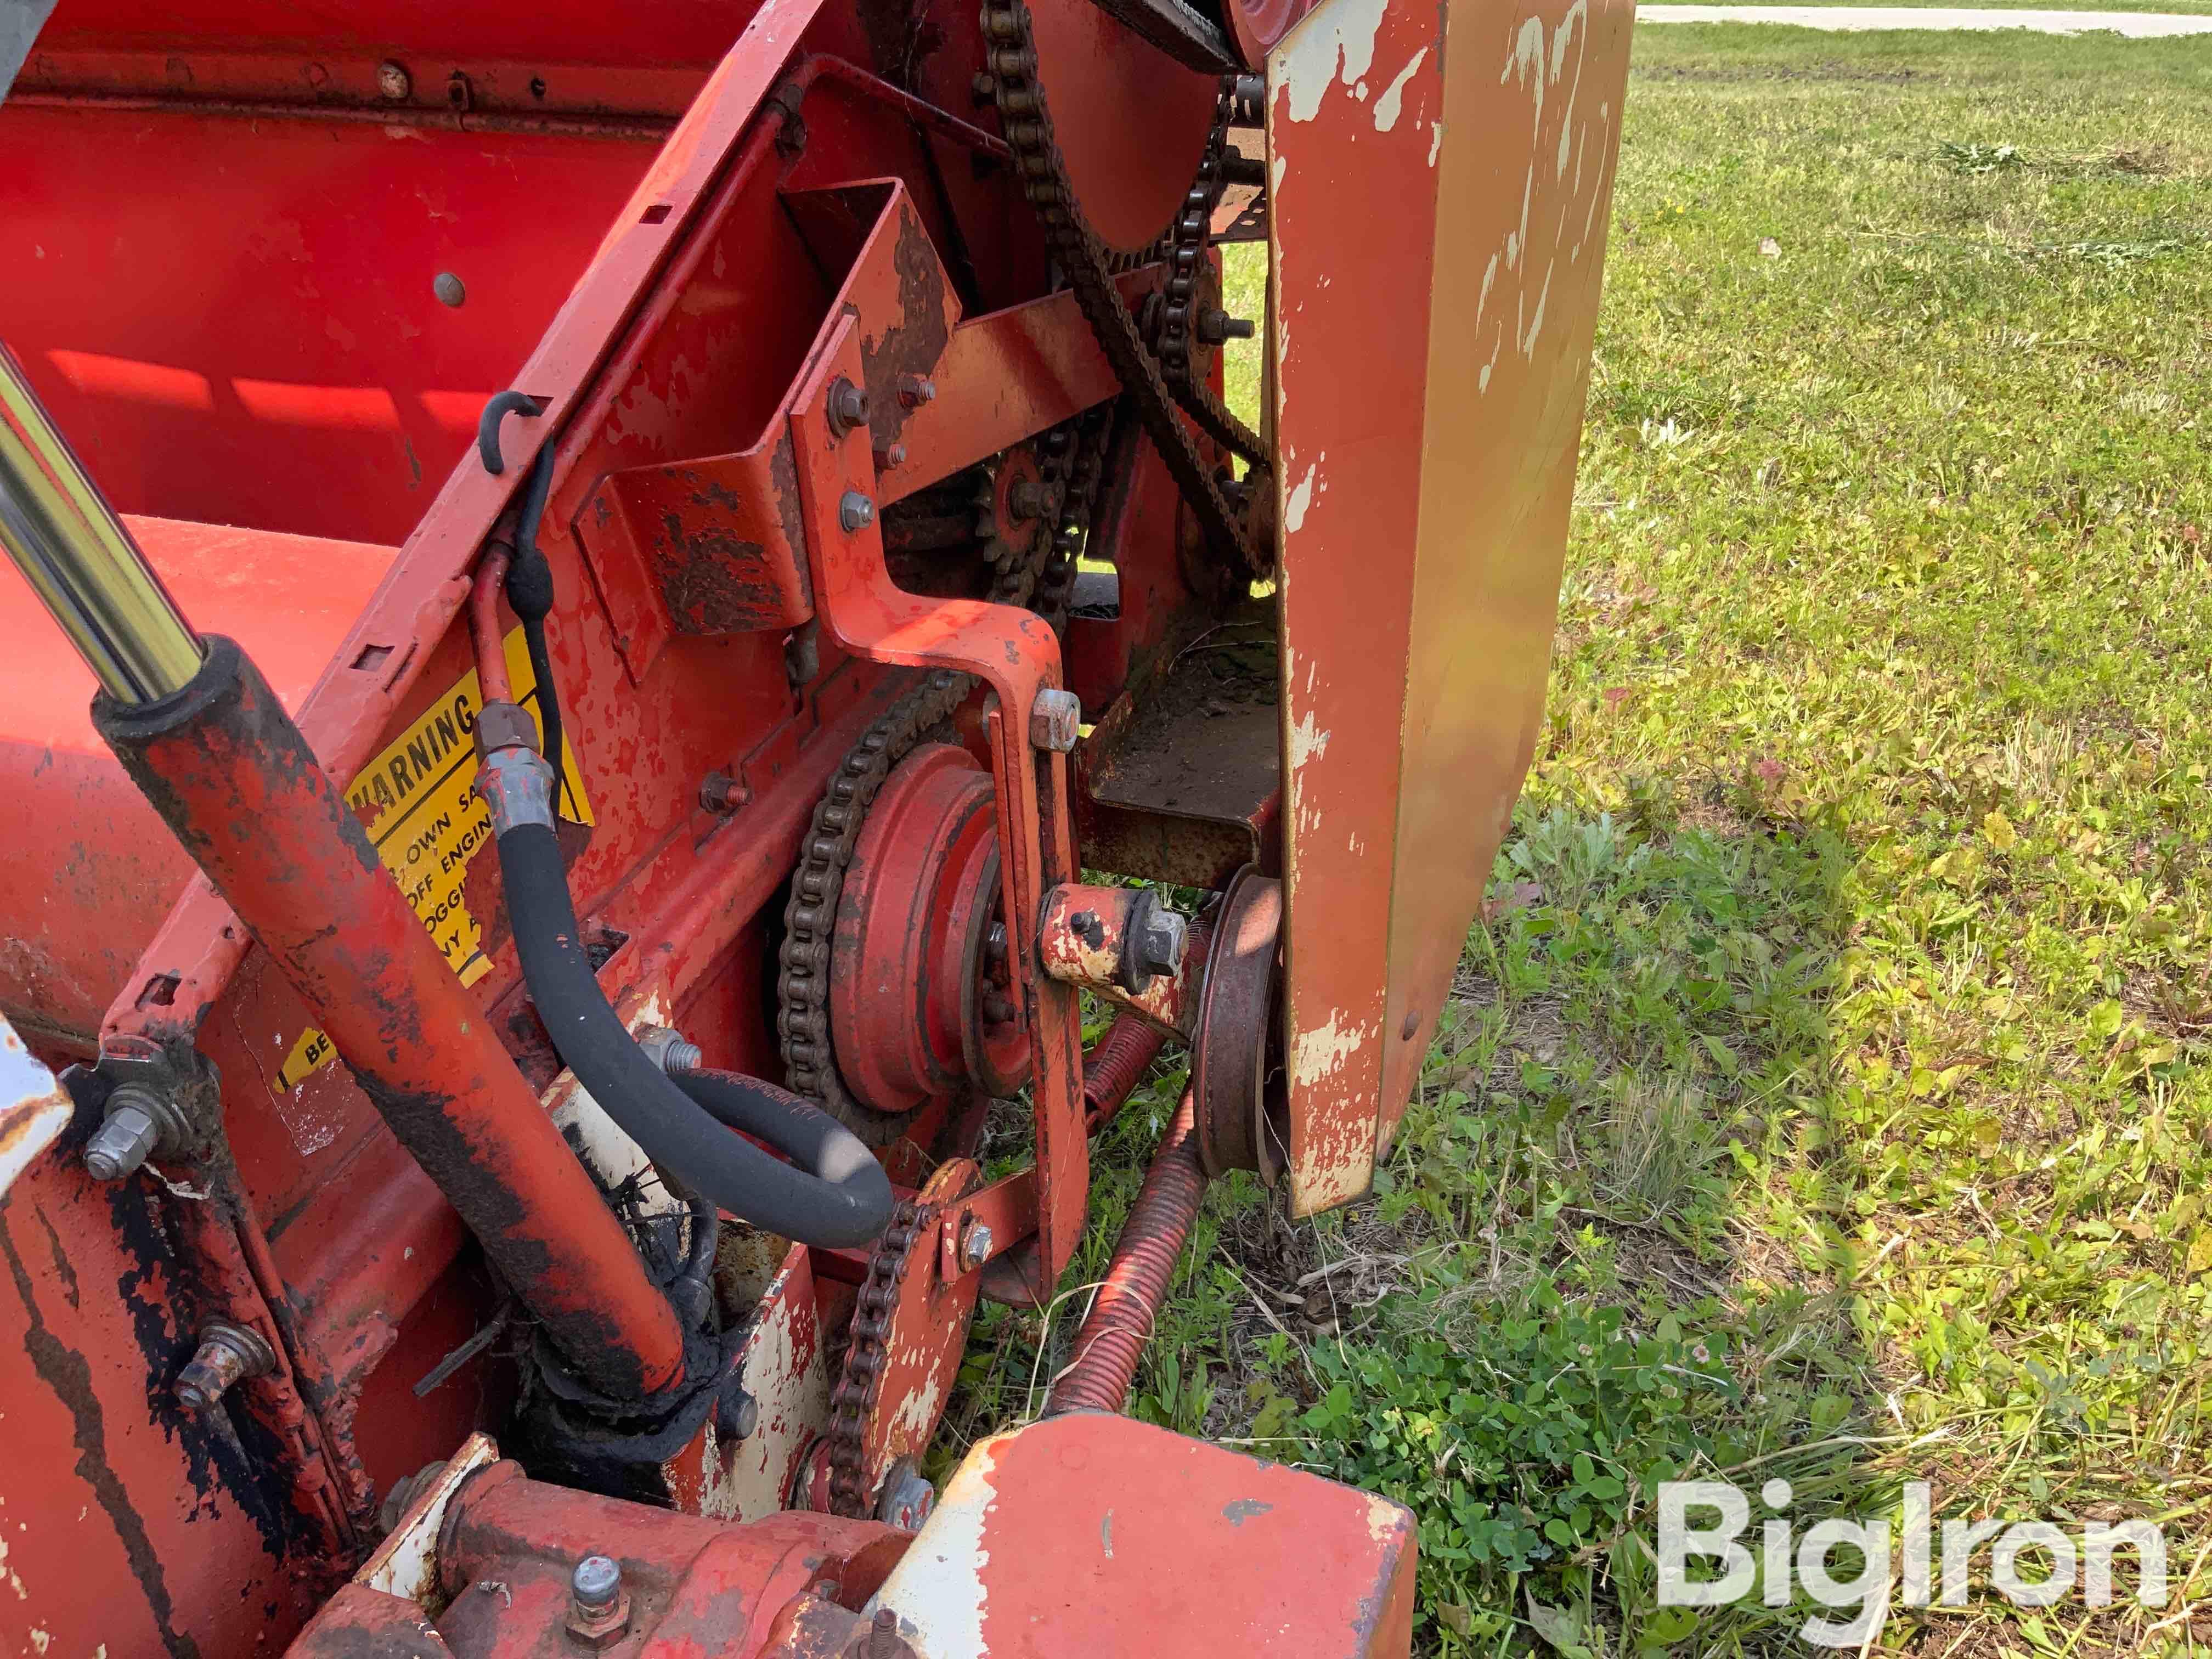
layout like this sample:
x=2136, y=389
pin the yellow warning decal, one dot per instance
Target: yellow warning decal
x=419, y=801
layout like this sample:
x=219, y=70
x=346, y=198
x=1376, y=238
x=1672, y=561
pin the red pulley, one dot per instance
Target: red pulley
x=920, y=1006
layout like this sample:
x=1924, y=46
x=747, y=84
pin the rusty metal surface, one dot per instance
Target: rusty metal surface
x=1014, y=652
x=232, y=777
x=728, y=1476
x=908, y=1333
x=1080, y=1534
x=695, y=1585
x=1423, y=494
x=1237, y=1068
x=1180, y=781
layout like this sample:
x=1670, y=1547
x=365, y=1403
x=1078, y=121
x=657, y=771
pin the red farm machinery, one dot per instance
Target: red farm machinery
x=622, y=616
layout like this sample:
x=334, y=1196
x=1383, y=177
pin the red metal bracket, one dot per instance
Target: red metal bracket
x=1015, y=653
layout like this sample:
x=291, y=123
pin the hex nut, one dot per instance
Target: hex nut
x=855, y=512
x=1159, y=943
x=847, y=406
x=976, y=1240
x=138, y=1124
x=229, y=1354
x=1056, y=720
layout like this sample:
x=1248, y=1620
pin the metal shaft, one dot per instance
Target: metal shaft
x=81, y=561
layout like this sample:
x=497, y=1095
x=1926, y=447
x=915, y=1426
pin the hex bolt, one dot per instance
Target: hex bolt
x=722, y=794
x=393, y=81
x=888, y=456
x=598, y=1607
x=1215, y=327
x=1055, y=720
x=974, y=1244
x=449, y=289
x=847, y=406
x=984, y=90
x=855, y=512
x=128, y=1137
x=1028, y=500
x=915, y=391
x=1160, y=941
x=668, y=1050
x=883, y=1640
x=595, y=1582
x=229, y=1354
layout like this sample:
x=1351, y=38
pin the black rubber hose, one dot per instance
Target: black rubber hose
x=530, y=590
x=840, y=1200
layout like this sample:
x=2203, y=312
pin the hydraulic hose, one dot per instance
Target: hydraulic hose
x=841, y=1198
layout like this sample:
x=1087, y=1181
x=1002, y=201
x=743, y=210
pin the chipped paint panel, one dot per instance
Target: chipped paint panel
x=1298, y=1565
x=938, y=1589
x=1354, y=89
x=1532, y=98
x=1419, y=562
x=33, y=1109
x=405, y=1564
x=784, y=1371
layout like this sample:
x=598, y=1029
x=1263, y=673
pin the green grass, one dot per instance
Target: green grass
x=1825, y=1087
x=2184, y=7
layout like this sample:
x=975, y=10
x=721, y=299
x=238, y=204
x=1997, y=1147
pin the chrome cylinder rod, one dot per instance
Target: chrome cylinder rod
x=81, y=561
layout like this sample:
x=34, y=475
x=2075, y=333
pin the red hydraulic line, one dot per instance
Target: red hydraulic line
x=483, y=625
x=224, y=765
x=1113, y=1338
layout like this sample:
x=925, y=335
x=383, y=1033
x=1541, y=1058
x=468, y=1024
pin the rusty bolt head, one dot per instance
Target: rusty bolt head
x=229, y=1354
x=974, y=1244
x=393, y=81
x=915, y=391
x=1028, y=499
x=1055, y=720
x=722, y=794
x=855, y=512
x=847, y=406
x=1159, y=943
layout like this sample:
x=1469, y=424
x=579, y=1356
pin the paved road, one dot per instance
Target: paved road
x=2139, y=25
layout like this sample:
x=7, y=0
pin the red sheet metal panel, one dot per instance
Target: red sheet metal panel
x=1081, y=1535
x=90, y=870
x=1448, y=168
